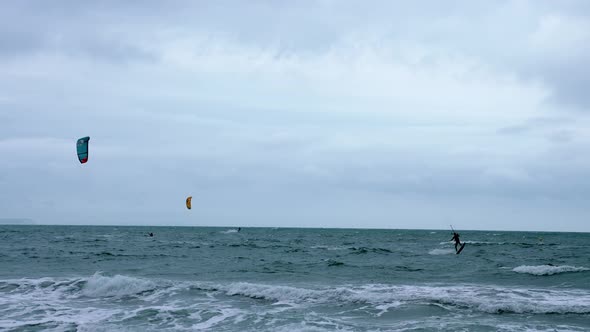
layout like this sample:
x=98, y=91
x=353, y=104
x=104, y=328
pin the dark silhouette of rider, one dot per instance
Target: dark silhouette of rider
x=456, y=239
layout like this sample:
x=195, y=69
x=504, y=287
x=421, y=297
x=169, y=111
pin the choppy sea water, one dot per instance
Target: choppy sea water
x=80, y=278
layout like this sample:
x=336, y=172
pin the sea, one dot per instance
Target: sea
x=114, y=278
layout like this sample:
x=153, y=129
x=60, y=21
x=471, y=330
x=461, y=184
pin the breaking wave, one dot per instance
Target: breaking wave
x=116, y=286
x=100, y=300
x=546, y=270
x=488, y=299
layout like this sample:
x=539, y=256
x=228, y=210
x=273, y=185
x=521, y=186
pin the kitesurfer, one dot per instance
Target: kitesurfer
x=456, y=239
x=239, y=229
x=151, y=234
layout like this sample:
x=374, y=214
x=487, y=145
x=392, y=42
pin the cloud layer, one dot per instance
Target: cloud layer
x=314, y=113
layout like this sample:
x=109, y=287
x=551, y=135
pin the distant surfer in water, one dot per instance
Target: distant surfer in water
x=239, y=229
x=151, y=234
x=456, y=239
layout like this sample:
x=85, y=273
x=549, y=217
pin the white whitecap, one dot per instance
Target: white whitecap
x=441, y=251
x=489, y=299
x=118, y=285
x=546, y=270
x=328, y=247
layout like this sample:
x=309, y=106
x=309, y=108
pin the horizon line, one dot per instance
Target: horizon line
x=293, y=227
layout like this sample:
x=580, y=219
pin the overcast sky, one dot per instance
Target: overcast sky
x=384, y=114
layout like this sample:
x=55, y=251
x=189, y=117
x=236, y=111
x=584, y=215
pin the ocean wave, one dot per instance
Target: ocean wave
x=116, y=286
x=365, y=250
x=491, y=243
x=485, y=299
x=441, y=251
x=488, y=299
x=95, y=286
x=254, y=245
x=102, y=300
x=476, y=243
x=484, y=242
x=546, y=270
x=328, y=247
x=332, y=262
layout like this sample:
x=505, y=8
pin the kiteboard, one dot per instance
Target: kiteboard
x=460, y=249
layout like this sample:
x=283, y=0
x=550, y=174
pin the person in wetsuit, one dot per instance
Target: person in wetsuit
x=456, y=239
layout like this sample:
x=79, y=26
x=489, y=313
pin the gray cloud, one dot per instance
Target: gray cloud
x=295, y=114
x=513, y=36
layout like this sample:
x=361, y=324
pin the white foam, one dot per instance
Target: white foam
x=224, y=314
x=305, y=327
x=229, y=231
x=546, y=270
x=386, y=306
x=489, y=299
x=441, y=251
x=328, y=247
x=192, y=305
x=285, y=294
x=117, y=286
x=47, y=302
x=79, y=303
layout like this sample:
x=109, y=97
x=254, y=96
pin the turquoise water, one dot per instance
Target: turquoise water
x=82, y=278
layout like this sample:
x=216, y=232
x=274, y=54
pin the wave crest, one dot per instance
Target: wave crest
x=192, y=300
x=546, y=270
x=480, y=298
x=441, y=251
x=116, y=286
